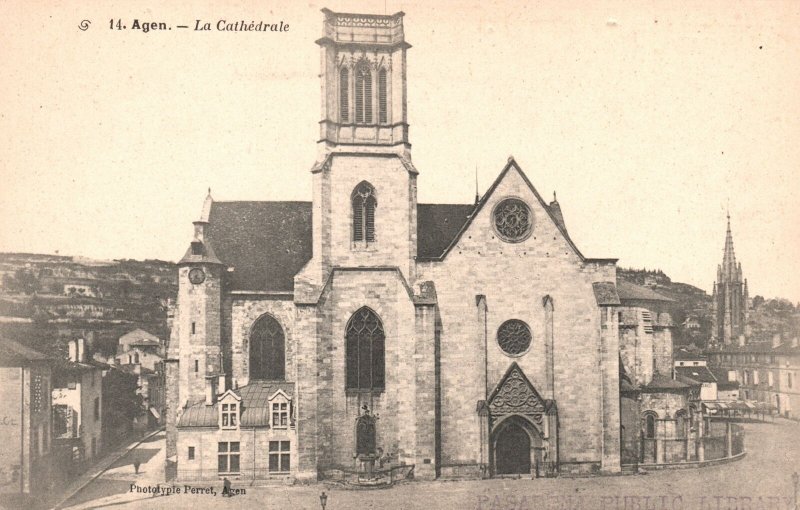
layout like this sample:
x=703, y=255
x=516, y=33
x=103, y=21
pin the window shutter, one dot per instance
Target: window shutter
x=382, y=96
x=359, y=96
x=344, y=98
x=367, y=97
x=369, y=212
x=358, y=219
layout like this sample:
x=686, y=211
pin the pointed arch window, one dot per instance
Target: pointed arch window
x=344, y=95
x=382, y=112
x=364, y=345
x=364, y=203
x=267, y=350
x=363, y=94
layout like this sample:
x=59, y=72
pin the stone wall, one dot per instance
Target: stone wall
x=405, y=405
x=244, y=313
x=253, y=452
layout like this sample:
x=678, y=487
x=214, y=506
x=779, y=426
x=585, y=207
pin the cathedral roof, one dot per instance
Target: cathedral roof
x=267, y=243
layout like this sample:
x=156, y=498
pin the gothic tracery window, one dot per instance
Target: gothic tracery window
x=514, y=337
x=365, y=339
x=267, y=344
x=364, y=203
x=363, y=77
x=512, y=220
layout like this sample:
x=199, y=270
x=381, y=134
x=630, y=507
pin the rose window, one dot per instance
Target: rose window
x=512, y=220
x=514, y=337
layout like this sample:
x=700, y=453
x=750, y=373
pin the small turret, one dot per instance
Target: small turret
x=555, y=210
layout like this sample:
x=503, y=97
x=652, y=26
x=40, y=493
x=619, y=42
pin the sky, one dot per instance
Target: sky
x=651, y=120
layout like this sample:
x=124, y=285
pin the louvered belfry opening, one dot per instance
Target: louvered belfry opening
x=363, y=94
x=344, y=95
x=364, y=203
x=267, y=350
x=382, y=115
x=364, y=347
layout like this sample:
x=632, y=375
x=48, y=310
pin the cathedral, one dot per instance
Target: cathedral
x=364, y=331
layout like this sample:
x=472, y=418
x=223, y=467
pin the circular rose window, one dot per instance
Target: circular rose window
x=514, y=337
x=512, y=220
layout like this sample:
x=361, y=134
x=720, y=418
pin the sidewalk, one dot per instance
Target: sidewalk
x=99, y=468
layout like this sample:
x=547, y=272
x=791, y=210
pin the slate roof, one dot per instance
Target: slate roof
x=268, y=243
x=722, y=379
x=72, y=367
x=633, y=292
x=254, y=406
x=605, y=293
x=14, y=354
x=139, y=337
x=664, y=383
x=699, y=374
x=438, y=225
x=682, y=354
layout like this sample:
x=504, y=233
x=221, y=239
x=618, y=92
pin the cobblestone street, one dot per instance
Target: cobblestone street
x=762, y=480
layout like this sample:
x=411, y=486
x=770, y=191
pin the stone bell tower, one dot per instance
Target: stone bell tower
x=364, y=183
x=363, y=81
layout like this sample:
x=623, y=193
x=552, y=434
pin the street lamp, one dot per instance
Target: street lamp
x=795, y=480
x=323, y=498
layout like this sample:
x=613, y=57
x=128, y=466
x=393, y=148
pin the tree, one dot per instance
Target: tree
x=121, y=404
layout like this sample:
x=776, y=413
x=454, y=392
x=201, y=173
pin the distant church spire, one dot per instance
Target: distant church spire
x=730, y=296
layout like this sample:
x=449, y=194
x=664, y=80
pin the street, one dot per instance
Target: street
x=762, y=480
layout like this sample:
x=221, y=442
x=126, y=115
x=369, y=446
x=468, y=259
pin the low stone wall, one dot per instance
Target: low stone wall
x=689, y=465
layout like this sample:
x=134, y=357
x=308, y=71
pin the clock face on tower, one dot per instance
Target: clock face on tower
x=196, y=275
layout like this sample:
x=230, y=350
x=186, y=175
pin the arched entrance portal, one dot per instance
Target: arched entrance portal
x=516, y=447
x=521, y=428
x=513, y=451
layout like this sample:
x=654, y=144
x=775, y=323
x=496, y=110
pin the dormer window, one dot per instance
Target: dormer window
x=230, y=413
x=229, y=405
x=280, y=405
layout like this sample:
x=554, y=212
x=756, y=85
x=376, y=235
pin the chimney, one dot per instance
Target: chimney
x=211, y=390
x=776, y=340
x=221, y=386
x=794, y=342
x=73, y=350
x=80, y=351
x=741, y=340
